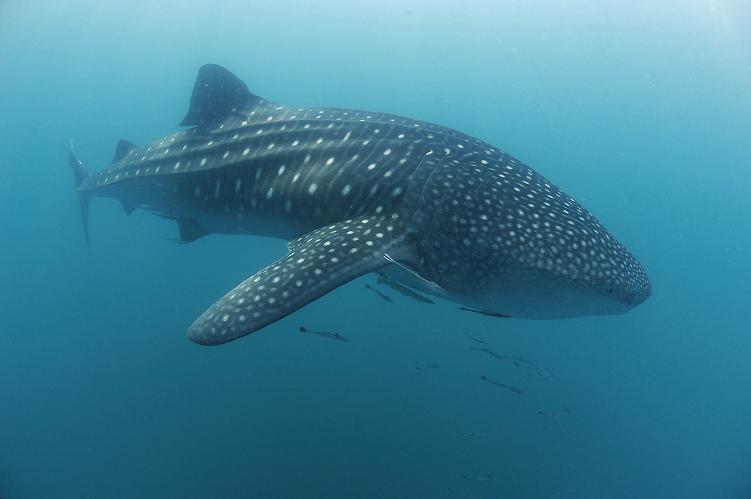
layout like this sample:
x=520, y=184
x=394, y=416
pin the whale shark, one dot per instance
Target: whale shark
x=354, y=192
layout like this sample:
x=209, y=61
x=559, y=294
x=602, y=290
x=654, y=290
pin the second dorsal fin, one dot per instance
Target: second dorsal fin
x=122, y=149
x=216, y=94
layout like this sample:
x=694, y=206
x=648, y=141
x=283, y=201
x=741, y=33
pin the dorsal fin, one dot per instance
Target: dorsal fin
x=216, y=94
x=122, y=149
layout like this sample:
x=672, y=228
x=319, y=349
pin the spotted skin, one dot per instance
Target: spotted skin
x=308, y=166
x=355, y=191
x=316, y=263
x=481, y=222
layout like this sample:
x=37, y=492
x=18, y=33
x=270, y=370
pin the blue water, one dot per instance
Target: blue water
x=641, y=111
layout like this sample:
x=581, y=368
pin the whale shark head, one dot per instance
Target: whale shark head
x=502, y=238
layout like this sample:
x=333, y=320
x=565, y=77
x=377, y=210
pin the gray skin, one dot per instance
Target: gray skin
x=356, y=192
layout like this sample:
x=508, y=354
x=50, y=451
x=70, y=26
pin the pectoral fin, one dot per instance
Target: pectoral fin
x=316, y=264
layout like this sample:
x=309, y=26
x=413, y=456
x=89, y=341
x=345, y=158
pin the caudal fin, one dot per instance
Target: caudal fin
x=84, y=197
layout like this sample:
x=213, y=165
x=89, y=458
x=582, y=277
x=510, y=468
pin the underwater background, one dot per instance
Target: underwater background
x=641, y=110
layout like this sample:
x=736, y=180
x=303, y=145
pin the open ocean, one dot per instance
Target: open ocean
x=640, y=110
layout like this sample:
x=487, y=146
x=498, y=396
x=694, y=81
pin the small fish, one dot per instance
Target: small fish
x=400, y=288
x=385, y=297
x=325, y=334
x=427, y=282
x=483, y=312
x=471, y=433
x=478, y=339
x=521, y=362
x=541, y=373
x=488, y=351
x=501, y=385
x=434, y=365
x=564, y=412
x=482, y=477
x=517, y=361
